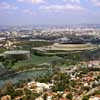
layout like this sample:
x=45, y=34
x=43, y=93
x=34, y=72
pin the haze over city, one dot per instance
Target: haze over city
x=54, y=12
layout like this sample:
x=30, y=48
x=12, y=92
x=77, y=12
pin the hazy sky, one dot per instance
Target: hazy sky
x=56, y=12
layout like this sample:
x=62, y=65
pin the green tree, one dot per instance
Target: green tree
x=61, y=82
x=29, y=95
x=8, y=89
x=69, y=96
x=85, y=98
x=45, y=96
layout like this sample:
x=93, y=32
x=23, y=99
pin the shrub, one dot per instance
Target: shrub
x=85, y=98
x=69, y=96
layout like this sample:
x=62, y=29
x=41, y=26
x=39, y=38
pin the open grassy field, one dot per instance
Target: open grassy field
x=34, y=62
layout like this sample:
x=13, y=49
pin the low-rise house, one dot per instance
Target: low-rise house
x=39, y=98
x=50, y=95
x=63, y=98
x=18, y=98
x=94, y=62
x=39, y=89
x=31, y=84
x=94, y=98
x=7, y=97
x=86, y=84
x=87, y=78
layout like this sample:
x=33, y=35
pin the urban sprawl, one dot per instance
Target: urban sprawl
x=50, y=63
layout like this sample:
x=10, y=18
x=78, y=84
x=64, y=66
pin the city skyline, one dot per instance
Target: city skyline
x=54, y=12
